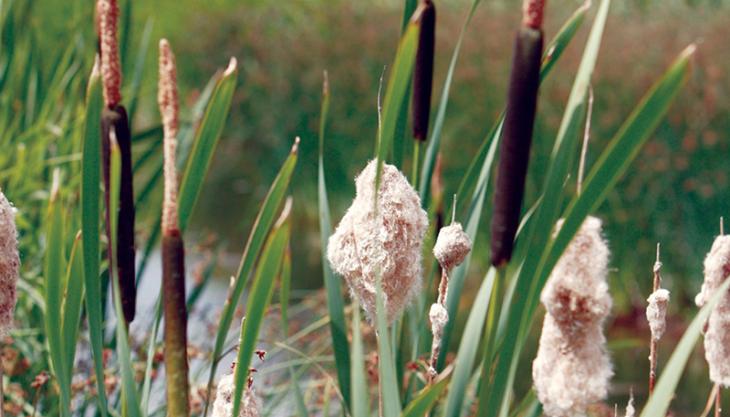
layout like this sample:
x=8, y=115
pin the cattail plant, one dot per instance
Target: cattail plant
x=656, y=315
x=452, y=247
x=630, y=409
x=717, y=333
x=173, y=250
x=423, y=71
x=114, y=120
x=572, y=368
x=381, y=241
x=223, y=404
x=517, y=134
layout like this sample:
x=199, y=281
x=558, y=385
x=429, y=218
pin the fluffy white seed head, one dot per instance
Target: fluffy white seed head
x=385, y=242
x=630, y=410
x=717, y=336
x=9, y=264
x=223, y=405
x=572, y=369
x=452, y=246
x=656, y=312
x=439, y=317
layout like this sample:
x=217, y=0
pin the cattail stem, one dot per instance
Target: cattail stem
x=114, y=121
x=718, y=401
x=654, y=341
x=423, y=71
x=517, y=137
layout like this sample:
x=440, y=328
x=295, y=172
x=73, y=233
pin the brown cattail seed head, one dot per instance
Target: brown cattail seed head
x=111, y=71
x=223, y=405
x=572, y=368
x=381, y=242
x=532, y=13
x=9, y=264
x=452, y=246
x=656, y=312
x=169, y=109
x=717, y=336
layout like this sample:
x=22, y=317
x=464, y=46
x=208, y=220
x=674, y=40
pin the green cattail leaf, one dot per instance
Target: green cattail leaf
x=72, y=301
x=426, y=399
x=55, y=263
x=395, y=94
x=285, y=292
x=205, y=143
x=495, y=390
x=256, y=239
x=335, y=300
x=259, y=298
x=360, y=400
x=469, y=347
x=130, y=403
x=90, y=223
x=389, y=387
x=664, y=392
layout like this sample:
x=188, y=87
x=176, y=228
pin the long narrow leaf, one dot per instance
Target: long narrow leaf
x=72, y=301
x=359, y=385
x=389, y=387
x=426, y=399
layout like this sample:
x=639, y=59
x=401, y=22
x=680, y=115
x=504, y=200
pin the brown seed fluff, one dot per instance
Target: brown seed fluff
x=383, y=242
x=168, y=101
x=572, y=368
x=223, y=404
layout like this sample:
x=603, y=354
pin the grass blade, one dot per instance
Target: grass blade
x=90, y=207
x=206, y=140
x=259, y=298
x=389, y=388
x=360, y=401
x=73, y=294
x=335, y=301
x=425, y=400
x=255, y=241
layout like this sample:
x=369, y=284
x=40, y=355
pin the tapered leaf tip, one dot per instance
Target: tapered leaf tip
x=232, y=67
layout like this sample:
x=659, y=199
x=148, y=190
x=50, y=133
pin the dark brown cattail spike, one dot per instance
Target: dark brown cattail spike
x=517, y=134
x=423, y=71
x=116, y=118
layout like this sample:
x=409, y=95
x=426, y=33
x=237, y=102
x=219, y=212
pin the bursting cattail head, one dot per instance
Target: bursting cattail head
x=423, y=70
x=532, y=13
x=111, y=71
x=630, y=410
x=717, y=335
x=656, y=312
x=223, y=405
x=169, y=109
x=439, y=317
x=9, y=264
x=452, y=246
x=383, y=241
x=572, y=369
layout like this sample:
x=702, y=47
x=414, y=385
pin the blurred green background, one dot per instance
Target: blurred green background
x=675, y=193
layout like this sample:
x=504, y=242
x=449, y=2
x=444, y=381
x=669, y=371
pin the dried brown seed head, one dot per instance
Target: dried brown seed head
x=9, y=264
x=167, y=99
x=223, y=404
x=452, y=246
x=656, y=312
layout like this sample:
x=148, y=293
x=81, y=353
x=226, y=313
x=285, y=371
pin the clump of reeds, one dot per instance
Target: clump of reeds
x=423, y=70
x=517, y=134
x=114, y=121
x=572, y=368
x=9, y=264
x=223, y=404
x=717, y=334
x=173, y=248
x=452, y=247
x=382, y=241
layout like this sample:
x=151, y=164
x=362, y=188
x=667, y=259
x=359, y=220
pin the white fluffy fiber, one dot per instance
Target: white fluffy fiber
x=452, y=246
x=223, y=405
x=656, y=312
x=366, y=245
x=9, y=264
x=717, y=336
x=572, y=369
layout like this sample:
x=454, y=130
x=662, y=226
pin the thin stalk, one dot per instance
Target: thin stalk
x=710, y=401
x=718, y=402
x=653, y=342
x=416, y=163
